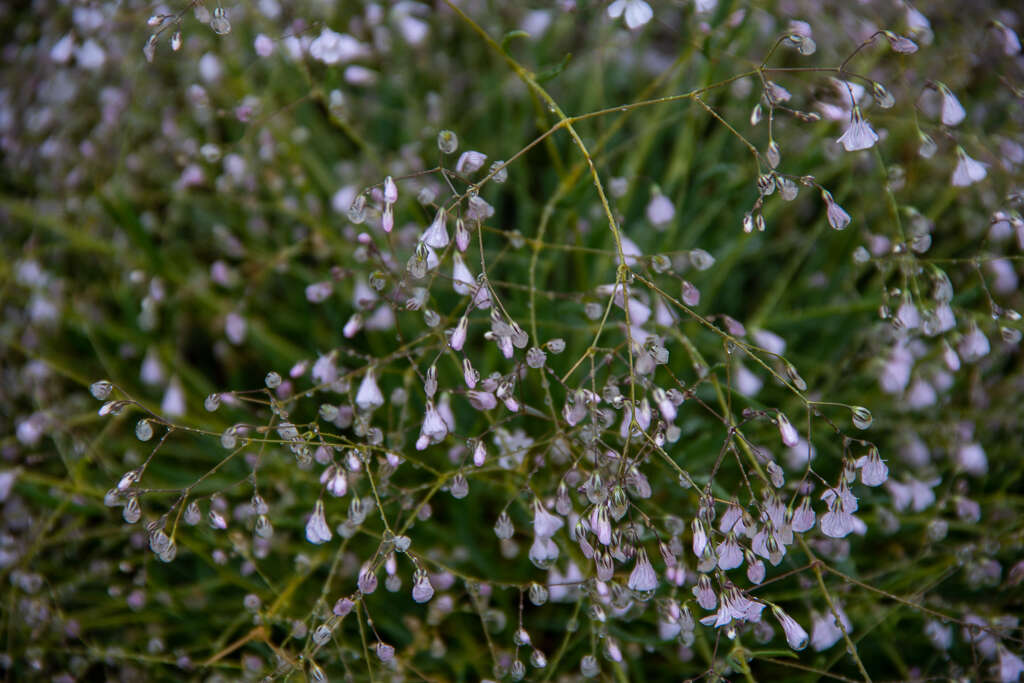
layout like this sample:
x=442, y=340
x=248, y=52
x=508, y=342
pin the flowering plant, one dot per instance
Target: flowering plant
x=628, y=339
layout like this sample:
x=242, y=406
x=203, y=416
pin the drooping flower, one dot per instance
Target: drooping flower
x=470, y=162
x=434, y=427
x=796, y=636
x=974, y=345
x=317, y=530
x=436, y=235
x=458, y=338
x=825, y=632
x=952, y=111
x=700, y=538
x=873, y=471
x=729, y=553
x=837, y=217
x=643, y=578
x=660, y=210
x=545, y=524
x=803, y=517
x=968, y=171
x=369, y=396
x=601, y=525
x=859, y=134
x=705, y=593
x=790, y=437
x=543, y=552
x=462, y=279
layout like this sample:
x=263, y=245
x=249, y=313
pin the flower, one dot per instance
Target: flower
x=824, y=631
x=543, y=552
x=859, y=135
x=705, y=593
x=788, y=432
x=458, y=337
x=837, y=217
x=462, y=279
x=1007, y=38
x=700, y=538
x=331, y=47
x=660, y=210
x=637, y=12
x=434, y=428
x=436, y=235
x=734, y=606
x=369, y=396
x=545, y=524
x=470, y=162
x=974, y=345
x=952, y=111
x=643, y=577
x=803, y=516
x=968, y=170
x=317, y=530
x=729, y=554
x=873, y=471
x=796, y=636
x=601, y=525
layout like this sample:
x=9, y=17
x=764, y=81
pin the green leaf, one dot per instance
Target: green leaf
x=510, y=36
x=551, y=72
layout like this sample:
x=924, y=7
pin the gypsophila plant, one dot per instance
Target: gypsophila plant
x=619, y=340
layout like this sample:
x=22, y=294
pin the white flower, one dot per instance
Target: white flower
x=470, y=162
x=952, y=111
x=729, y=554
x=458, y=337
x=974, y=345
x=331, y=47
x=643, y=577
x=63, y=49
x=967, y=170
x=462, y=278
x=543, y=552
x=173, y=404
x=422, y=590
x=660, y=210
x=971, y=457
x=434, y=427
x=436, y=235
x=263, y=45
x=390, y=191
x=825, y=632
x=796, y=636
x=317, y=530
x=700, y=538
x=637, y=12
x=790, y=437
x=545, y=524
x=1007, y=38
x=369, y=396
x=859, y=135
x=837, y=216
x=873, y=471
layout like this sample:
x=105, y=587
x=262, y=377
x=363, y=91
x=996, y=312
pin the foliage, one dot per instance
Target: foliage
x=465, y=340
